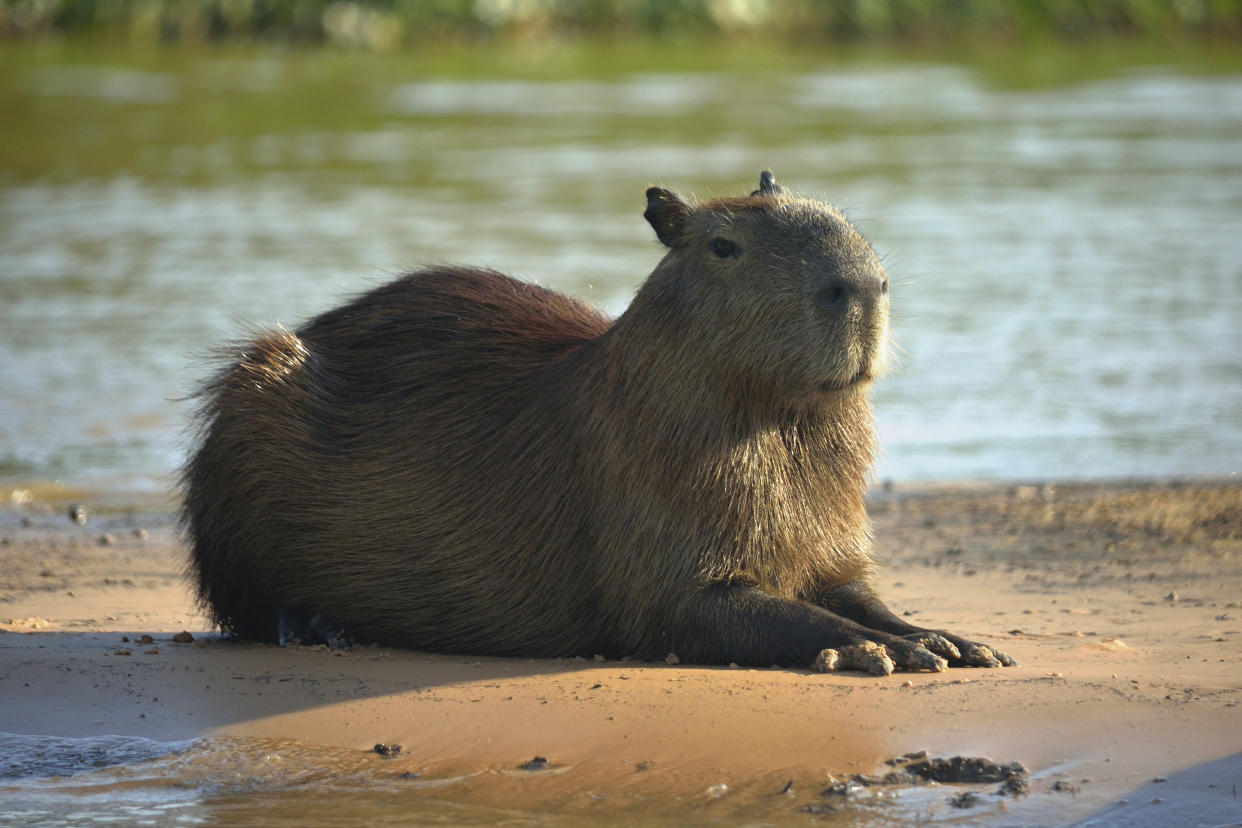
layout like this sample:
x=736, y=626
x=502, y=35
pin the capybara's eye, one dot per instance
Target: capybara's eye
x=724, y=248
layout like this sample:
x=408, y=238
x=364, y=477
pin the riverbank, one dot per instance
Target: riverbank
x=1121, y=601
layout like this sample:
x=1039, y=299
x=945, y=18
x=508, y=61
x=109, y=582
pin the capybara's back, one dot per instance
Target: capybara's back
x=369, y=467
x=463, y=462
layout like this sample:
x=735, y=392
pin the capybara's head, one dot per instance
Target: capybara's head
x=789, y=300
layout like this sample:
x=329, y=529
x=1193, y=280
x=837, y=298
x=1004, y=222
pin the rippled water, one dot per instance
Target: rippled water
x=131, y=781
x=1066, y=257
x=54, y=782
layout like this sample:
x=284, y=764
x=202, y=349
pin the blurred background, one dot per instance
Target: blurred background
x=1055, y=188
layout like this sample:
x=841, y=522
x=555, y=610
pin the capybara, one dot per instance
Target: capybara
x=462, y=462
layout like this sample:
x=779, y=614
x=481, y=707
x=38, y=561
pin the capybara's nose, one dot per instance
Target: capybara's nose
x=836, y=292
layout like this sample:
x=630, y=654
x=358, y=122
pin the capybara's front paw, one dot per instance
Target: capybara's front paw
x=937, y=643
x=879, y=659
x=960, y=652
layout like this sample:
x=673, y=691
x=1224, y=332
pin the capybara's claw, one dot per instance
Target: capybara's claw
x=977, y=655
x=921, y=658
x=937, y=643
x=1005, y=659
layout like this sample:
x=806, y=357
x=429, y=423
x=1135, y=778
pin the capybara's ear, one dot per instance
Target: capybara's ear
x=768, y=185
x=666, y=213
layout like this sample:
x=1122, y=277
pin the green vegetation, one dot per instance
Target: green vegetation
x=391, y=24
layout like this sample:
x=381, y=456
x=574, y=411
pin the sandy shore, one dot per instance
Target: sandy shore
x=1121, y=601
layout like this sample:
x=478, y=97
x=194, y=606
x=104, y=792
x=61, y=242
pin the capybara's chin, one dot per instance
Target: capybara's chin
x=463, y=462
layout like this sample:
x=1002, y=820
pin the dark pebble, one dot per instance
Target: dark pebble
x=537, y=764
x=386, y=750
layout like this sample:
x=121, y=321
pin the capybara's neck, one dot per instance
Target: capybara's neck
x=778, y=485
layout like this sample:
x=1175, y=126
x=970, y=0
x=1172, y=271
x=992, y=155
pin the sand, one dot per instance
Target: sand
x=1120, y=600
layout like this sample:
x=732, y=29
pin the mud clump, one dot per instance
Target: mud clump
x=918, y=769
x=958, y=769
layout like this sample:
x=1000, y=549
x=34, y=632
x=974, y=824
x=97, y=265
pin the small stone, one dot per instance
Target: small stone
x=386, y=750
x=599, y=658
x=140, y=534
x=78, y=514
x=182, y=637
x=538, y=763
x=107, y=540
x=672, y=658
x=146, y=639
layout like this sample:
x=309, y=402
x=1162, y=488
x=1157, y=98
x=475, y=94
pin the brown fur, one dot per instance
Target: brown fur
x=459, y=461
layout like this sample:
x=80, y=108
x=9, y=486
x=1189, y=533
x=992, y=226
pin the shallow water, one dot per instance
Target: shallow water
x=273, y=782
x=117, y=780
x=1065, y=253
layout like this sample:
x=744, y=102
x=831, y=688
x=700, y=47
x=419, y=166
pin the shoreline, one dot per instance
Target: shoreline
x=1120, y=600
